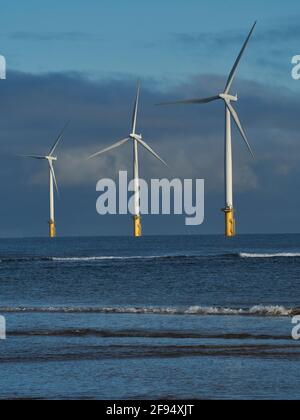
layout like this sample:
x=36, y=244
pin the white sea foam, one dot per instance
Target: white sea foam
x=270, y=310
x=144, y=257
x=154, y=257
x=103, y=258
x=258, y=310
x=78, y=259
x=275, y=255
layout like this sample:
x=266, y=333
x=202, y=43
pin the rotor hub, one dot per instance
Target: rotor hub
x=227, y=97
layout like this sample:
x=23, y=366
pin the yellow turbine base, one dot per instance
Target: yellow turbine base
x=52, y=229
x=137, y=226
x=229, y=223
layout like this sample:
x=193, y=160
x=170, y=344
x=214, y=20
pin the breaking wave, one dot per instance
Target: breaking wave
x=112, y=258
x=259, y=310
x=276, y=255
x=93, y=258
x=87, y=259
x=104, y=258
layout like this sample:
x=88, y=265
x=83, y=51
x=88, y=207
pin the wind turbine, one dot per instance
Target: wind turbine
x=230, y=112
x=50, y=158
x=137, y=140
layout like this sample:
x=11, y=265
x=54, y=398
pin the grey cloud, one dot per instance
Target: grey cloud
x=206, y=40
x=279, y=33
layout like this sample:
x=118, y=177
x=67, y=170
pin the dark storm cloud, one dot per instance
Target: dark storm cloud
x=34, y=108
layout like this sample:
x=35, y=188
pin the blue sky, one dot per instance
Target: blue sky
x=81, y=60
x=157, y=39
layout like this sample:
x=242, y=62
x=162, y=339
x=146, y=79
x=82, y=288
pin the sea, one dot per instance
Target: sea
x=156, y=318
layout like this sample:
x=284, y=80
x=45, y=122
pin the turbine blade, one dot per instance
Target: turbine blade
x=236, y=64
x=191, y=101
x=114, y=146
x=147, y=147
x=34, y=157
x=59, y=139
x=136, y=108
x=53, y=175
x=239, y=126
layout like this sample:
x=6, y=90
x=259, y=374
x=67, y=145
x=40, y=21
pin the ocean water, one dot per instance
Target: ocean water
x=156, y=318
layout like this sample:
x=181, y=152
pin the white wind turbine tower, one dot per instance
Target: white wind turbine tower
x=137, y=140
x=50, y=158
x=229, y=112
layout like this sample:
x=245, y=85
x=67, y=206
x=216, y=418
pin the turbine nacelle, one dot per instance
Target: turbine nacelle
x=229, y=98
x=51, y=158
x=136, y=136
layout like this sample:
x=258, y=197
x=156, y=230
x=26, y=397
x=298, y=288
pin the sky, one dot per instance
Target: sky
x=81, y=61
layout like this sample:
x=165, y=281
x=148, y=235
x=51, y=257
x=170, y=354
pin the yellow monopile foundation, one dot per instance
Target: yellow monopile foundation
x=137, y=226
x=229, y=222
x=52, y=230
